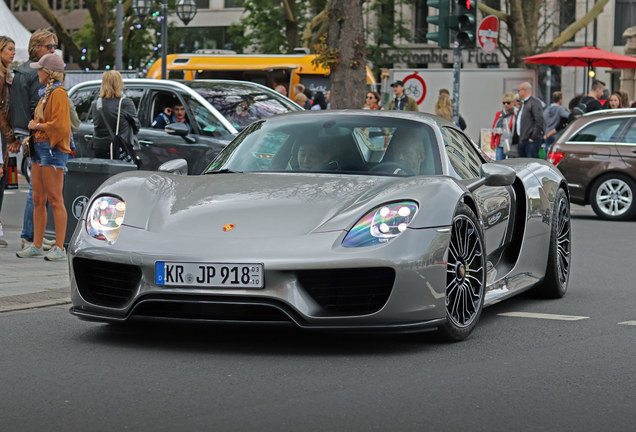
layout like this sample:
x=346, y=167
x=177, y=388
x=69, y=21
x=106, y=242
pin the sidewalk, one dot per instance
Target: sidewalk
x=27, y=283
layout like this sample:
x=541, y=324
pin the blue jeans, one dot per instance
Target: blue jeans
x=499, y=153
x=529, y=149
x=27, y=222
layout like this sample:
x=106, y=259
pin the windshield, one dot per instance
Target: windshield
x=351, y=144
x=243, y=103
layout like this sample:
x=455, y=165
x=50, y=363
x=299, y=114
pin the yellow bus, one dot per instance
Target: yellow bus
x=267, y=69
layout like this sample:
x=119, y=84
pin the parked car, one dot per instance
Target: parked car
x=597, y=155
x=376, y=220
x=215, y=109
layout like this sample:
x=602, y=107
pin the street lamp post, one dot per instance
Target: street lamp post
x=186, y=10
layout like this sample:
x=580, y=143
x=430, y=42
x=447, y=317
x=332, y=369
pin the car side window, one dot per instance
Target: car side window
x=465, y=162
x=134, y=94
x=206, y=121
x=630, y=134
x=82, y=100
x=600, y=131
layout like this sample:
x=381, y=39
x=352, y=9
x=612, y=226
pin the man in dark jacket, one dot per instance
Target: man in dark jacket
x=529, y=124
x=24, y=99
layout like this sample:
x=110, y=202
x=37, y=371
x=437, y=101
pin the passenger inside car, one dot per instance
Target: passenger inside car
x=173, y=112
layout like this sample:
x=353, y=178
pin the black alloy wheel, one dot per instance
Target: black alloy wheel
x=465, y=276
x=557, y=274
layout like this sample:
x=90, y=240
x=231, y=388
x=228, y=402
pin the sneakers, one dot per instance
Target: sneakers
x=55, y=254
x=30, y=252
x=3, y=243
x=47, y=244
x=24, y=243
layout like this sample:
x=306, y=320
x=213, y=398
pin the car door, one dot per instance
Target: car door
x=494, y=203
x=592, y=151
x=157, y=146
x=626, y=146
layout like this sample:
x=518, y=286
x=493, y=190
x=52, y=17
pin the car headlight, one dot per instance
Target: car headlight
x=105, y=217
x=381, y=224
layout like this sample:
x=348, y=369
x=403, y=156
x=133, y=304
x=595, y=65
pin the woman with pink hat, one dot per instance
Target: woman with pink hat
x=51, y=128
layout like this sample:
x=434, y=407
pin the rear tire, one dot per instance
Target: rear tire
x=465, y=276
x=613, y=197
x=557, y=273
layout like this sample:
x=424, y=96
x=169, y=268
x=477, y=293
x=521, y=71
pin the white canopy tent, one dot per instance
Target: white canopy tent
x=10, y=26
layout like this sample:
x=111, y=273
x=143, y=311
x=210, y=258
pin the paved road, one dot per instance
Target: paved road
x=531, y=365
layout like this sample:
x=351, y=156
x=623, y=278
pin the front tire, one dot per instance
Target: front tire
x=613, y=197
x=465, y=276
x=557, y=274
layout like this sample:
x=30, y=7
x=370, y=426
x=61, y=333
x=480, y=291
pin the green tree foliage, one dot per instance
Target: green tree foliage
x=389, y=30
x=93, y=46
x=272, y=26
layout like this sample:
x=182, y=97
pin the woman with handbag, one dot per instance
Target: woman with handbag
x=502, y=128
x=50, y=150
x=115, y=121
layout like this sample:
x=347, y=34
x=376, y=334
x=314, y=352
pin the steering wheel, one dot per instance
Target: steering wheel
x=392, y=168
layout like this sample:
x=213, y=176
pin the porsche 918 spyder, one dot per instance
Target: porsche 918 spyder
x=348, y=220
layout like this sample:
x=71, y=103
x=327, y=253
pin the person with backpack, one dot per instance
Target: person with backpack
x=590, y=102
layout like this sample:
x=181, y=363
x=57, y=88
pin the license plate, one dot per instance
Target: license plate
x=217, y=275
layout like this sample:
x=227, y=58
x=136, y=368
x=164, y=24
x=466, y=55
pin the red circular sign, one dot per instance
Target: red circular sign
x=416, y=88
x=488, y=33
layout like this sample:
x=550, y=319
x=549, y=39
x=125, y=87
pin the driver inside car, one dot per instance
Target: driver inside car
x=409, y=153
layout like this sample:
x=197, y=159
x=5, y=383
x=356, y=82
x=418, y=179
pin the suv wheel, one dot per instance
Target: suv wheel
x=613, y=196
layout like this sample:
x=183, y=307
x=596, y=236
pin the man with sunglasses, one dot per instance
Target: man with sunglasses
x=23, y=100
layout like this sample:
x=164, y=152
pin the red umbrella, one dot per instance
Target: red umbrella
x=590, y=57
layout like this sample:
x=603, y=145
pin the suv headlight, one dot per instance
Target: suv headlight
x=381, y=224
x=105, y=217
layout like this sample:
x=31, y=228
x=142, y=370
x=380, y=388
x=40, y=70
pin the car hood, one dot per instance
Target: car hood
x=266, y=204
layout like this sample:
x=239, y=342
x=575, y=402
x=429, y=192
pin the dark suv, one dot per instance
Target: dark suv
x=213, y=109
x=597, y=156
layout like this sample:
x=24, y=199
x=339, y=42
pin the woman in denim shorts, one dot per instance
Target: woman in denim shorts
x=51, y=129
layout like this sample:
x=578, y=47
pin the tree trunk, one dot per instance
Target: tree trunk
x=346, y=33
x=291, y=25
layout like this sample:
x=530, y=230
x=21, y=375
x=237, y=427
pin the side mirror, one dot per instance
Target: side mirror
x=179, y=129
x=175, y=166
x=498, y=175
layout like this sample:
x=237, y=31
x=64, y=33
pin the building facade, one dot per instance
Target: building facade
x=208, y=30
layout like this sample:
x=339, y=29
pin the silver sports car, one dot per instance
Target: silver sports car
x=350, y=220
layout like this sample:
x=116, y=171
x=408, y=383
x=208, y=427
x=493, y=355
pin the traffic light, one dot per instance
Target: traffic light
x=441, y=20
x=465, y=22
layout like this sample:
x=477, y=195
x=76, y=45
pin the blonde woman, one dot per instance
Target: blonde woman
x=113, y=108
x=444, y=106
x=51, y=128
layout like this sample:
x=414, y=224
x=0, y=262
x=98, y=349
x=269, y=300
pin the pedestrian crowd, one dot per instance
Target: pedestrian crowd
x=33, y=100
x=525, y=127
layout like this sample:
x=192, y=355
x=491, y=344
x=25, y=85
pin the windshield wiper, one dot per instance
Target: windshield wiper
x=224, y=171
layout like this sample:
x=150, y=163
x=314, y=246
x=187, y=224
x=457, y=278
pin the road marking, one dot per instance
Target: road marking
x=628, y=323
x=544, y=316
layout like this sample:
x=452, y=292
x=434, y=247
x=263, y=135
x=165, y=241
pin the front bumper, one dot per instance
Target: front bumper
x=413, y=299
